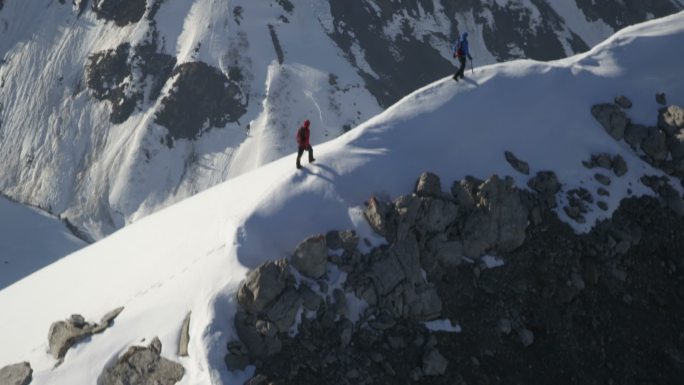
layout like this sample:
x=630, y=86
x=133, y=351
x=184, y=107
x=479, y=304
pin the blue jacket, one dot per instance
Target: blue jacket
x=463, y=42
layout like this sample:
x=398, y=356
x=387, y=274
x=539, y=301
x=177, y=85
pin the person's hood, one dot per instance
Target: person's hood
x=464, y=36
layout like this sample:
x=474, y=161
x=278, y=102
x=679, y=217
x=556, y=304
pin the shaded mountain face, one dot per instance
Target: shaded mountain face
x=111, y=110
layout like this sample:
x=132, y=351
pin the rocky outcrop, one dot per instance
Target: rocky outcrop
x=546, y=185
x=201, y=97
x=311, y=257
x=612, y=118
x=17, y=374
x=623, y=102
x=671, y=120
x=517, y=164
x=143, y=365
x=615, y=163
x=122, y=12
x=65, y=334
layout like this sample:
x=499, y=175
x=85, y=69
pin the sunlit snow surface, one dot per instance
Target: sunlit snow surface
x=193, y=255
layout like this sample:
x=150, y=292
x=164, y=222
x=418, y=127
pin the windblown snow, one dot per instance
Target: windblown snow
x=193, y=255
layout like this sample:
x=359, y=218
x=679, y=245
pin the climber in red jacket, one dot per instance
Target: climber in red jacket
x=303, y=143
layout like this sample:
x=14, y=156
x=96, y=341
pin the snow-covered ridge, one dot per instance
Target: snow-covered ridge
x=193, y=255
x=113, y=110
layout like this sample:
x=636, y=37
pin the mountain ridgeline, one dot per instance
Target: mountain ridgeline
x=111, y=110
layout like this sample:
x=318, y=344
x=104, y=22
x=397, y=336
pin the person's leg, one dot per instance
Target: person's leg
x=461, y=70
x=300, y=151
x=311, y=157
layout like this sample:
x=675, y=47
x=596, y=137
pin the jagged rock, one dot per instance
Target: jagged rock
x=311, y=257
x=283, y=310
x=612, y=118
x=619, y=165
x=258, y=345
x=602, y=192
x=184, y=339
x=546, y=184
x=623, y=102
x=671, y=119
x=499, y=220
x=635, y=134
x=446, y=253
x=264, y=284
x=434, y=363
x=347, y=240
x=310, y=300
x=464, y=191
x=655, y=145
x=676, y=145
x=603, y=179
x=517, y=164
x=602, y=205
x=668, y=194
x=378, y=213
x=64, y=334
x=661, y=99
x=143, y=365
x=17, y=374
x=602, y=160
x=428, y=185
x=574, y=213
x=122, y=12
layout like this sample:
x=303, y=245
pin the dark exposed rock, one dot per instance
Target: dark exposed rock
x=347, y=240
x=671, y=119
x=122, y=12
x=661, y=99
x=602, y=205
x=612, y=118
x=669, y=195
x=603, y=179
x=655, y=145
x=434, y=363
x=202, y=97
x=264, y=284
x=428, y=185
x=260, y=343
x=143, y=365
x=311, y=257
x=619, y=165
x=635, y=134
x=517, y=164
x=545, y=183
x=17, y=374
x=603, y=192
x=623, y=102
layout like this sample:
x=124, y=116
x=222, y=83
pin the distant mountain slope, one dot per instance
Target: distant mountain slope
x=111, y=110
x=30, y=240
x=193, y=255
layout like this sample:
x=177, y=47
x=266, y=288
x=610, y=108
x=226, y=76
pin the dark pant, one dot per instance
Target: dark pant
x=301, y=151
x=459, y=73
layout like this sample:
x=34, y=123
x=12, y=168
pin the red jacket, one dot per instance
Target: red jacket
x=303, y=136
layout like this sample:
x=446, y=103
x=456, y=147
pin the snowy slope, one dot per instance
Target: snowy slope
x=192, y=256
x=30, y=240
x=103, y=142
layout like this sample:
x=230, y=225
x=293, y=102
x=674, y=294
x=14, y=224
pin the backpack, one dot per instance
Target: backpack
x=300, y=136
x=459, y=49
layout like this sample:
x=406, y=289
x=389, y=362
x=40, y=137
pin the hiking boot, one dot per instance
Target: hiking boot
x=311, y=160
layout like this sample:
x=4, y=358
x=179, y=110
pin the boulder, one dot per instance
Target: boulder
x=283, y=310
x=64, y=334
x=434, y=363
x=612, y=118
x=619, y=165
x=517, y=164
x=655, y=145
x=676, y=145
x=347, y=240
x=545, y=183
x=671, y=119
x=602, y=160
x=259, y=343
x=264, y=284
x=635, y=134
x=428, y=185
x=237, y=358
x=603, y=179
x=434, y=216
x=379, y=214
x=143, y=365
x=17, y=374
x=623, y=102
x=311, y=257
x=464, y=192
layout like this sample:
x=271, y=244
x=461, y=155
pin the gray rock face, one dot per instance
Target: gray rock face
x=347, y=240
x=428, y=185
x=517, y=164
x=378, y=213
x=612, y=118
x=603, y=179
x=671, y=119
x=122, y=12
x=623, y=102
x=668, y=194
x=264, y=284
x=259, y=342
x=311, y=257
x=64, y=334
x=635, y=134
x=17, y=374
x=498, y=221
x=143, y=366
x=619, y=165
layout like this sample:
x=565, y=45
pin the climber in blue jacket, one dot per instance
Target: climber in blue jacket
x=461, y=51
